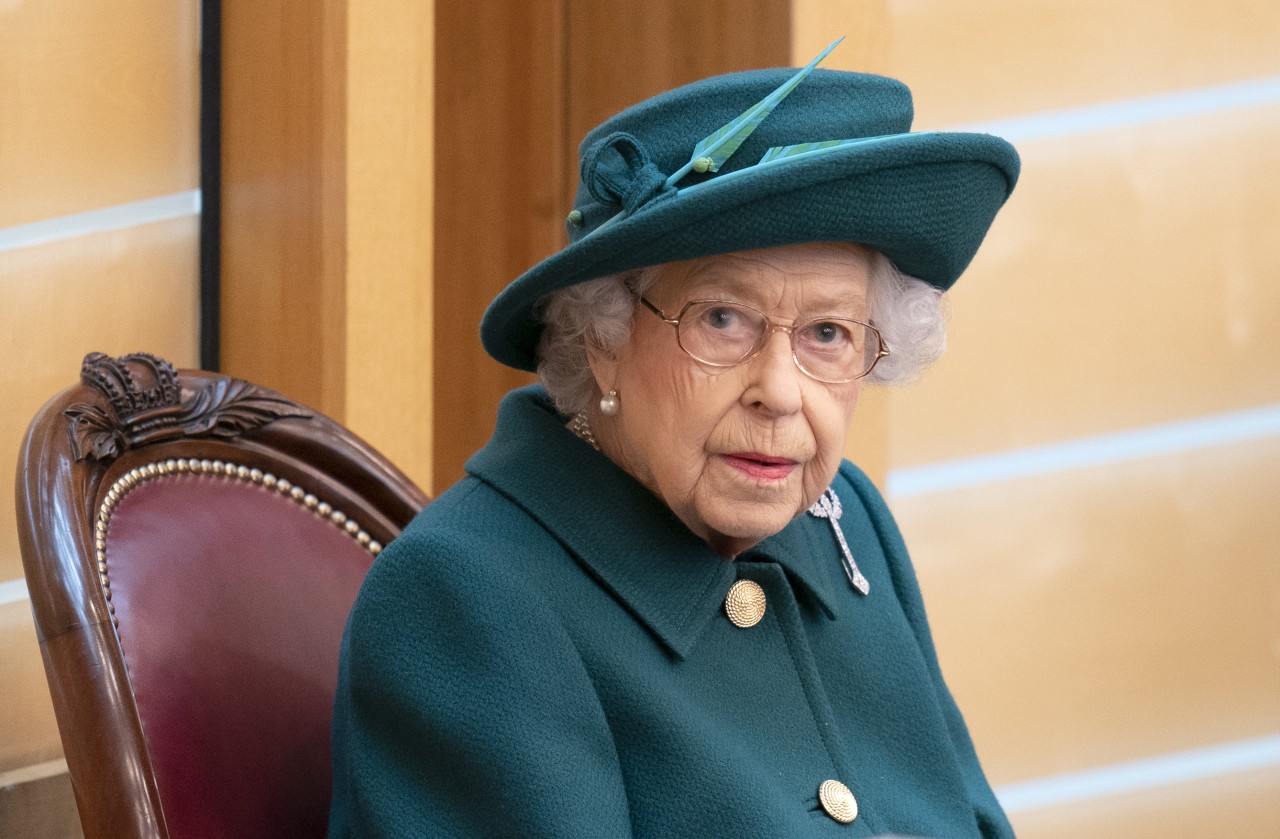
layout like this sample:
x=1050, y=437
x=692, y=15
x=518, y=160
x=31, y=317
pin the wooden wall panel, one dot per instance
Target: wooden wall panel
x=531, y=80
x=100, y=105
x=326, y=212
x=1113, y=293
x=390, y=238
x=683, y=42
x=864, y=25
x=100, y=109
x=26, y=715
x=114, y=292
x=498, y=173
x=42, y=807
x=984, y=59
x=1102, y=615
x=283, y=198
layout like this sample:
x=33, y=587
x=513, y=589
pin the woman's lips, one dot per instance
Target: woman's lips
x=761, y=467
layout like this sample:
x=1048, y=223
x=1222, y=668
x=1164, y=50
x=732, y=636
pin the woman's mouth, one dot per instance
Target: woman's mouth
x=761, y=467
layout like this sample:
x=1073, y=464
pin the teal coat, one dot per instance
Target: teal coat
x=544, y=652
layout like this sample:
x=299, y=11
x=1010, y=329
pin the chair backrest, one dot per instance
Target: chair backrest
x=192, y=545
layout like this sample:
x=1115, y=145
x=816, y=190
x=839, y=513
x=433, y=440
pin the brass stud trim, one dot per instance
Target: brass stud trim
x=745, y=604
x=138, y=475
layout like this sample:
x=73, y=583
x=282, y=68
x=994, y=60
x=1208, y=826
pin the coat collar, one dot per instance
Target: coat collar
x=623, y=534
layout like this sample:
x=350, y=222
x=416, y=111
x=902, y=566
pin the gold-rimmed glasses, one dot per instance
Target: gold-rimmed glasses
x=720, y=333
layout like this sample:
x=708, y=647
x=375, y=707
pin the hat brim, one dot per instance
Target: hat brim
x=923, y=200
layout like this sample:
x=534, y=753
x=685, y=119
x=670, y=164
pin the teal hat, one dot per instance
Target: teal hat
x=791, y=157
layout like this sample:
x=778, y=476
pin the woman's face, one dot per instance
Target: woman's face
x=735, y=452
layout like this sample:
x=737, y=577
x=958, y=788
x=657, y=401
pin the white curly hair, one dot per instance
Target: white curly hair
x=910, y=314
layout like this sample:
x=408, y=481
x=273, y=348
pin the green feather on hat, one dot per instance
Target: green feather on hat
x=791, y=157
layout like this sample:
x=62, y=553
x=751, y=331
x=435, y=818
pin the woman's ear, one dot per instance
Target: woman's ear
x=604, y=366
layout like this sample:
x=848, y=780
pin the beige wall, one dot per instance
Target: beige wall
x=98, y=251
x=1113, y=605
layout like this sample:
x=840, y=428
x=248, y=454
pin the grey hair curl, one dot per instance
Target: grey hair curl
x=912, y=318
x=909, y=313
x=598, y=312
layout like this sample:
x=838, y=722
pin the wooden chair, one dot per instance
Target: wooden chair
x=192, y=545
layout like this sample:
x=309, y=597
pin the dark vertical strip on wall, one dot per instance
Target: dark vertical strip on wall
x=532, y=78
x=210, y=182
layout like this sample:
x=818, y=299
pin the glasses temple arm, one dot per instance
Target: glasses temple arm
x=658, y=312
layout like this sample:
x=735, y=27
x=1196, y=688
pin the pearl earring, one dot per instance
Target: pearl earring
x=610, y=404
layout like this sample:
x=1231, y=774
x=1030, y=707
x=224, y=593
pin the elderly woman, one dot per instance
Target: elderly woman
x=661, y=604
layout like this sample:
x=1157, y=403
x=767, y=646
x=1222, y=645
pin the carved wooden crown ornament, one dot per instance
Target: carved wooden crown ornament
x=147, y=403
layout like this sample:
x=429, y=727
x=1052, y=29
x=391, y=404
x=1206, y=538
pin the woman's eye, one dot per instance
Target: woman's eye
x=828, y=333
x=721, y=317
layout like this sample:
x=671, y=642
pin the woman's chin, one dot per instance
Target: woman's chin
x=733, y=526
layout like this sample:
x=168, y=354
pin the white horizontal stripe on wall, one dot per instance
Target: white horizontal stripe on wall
x=35, y=772
x=135, y=213
x=1149, y=773
x=13, y=591
x=1125, y=113
x=1169, y=438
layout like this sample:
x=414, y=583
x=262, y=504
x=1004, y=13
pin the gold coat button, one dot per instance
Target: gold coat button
x=838, y=801
x=745, y=604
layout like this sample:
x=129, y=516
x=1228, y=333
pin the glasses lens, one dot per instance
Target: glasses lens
x=835, y=349
x=720, y=333
x=828, y=349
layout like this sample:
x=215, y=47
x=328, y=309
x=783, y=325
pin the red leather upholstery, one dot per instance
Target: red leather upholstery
x=189, y=607
x=230, y=601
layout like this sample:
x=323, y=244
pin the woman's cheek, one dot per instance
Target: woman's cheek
x=829, y=435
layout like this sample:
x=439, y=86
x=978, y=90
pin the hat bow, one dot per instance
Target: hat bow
x=631, y=185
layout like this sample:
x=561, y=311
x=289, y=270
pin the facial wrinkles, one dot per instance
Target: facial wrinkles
x=767, y=430
x=744, y=278
x=807, y=428
x=672, y=378
x=742, y=433
x=779, y=426
x=696, y=414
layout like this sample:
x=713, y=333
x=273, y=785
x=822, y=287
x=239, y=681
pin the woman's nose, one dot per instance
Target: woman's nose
x=774, y=379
